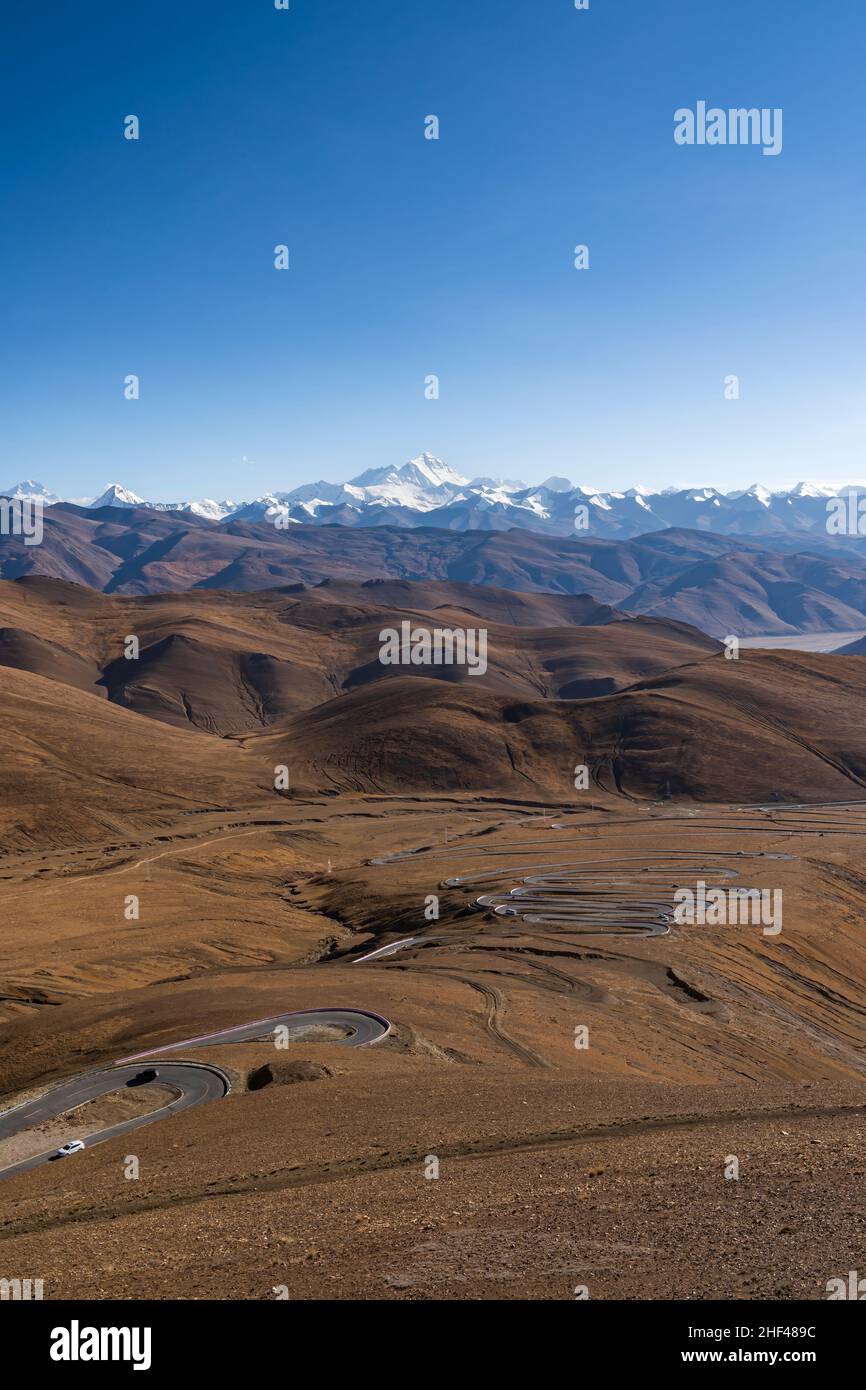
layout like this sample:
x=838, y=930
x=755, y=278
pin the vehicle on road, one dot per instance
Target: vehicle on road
x=73, y=1147
x=143, y=1077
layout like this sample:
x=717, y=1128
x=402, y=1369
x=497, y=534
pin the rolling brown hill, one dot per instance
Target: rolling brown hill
x=255, y=680
x=744, y=594
x=721, y=584
x=771, y=726
x=77, y=769
x=225, y=663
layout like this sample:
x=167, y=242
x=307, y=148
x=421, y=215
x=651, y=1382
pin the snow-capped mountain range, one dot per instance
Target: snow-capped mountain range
x=426, y=492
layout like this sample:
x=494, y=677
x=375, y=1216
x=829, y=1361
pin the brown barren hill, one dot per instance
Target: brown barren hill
x=77, y=768
x=720, y=584
x=649, y=705
x=778, y=726
x=224, y=663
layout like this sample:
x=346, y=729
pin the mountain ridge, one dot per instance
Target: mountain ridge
x=722, y=585
x=426, y=491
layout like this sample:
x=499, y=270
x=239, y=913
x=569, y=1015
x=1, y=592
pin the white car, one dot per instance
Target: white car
x=73, y=1147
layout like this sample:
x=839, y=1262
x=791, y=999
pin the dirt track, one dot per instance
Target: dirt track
x=701, y=1044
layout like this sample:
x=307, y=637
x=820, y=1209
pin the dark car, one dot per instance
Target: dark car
x=141, y=1078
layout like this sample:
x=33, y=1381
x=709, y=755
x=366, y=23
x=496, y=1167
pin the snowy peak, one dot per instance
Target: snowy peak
x=209, y=509
x=115, y=495
x=425, y=491
x=421, y=484
x=759, y=493
x=424, y=472
x=504, y=485
x=30, y=490
x=815, y=490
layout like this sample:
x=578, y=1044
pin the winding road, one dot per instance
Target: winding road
x=596, y=899
x=194, y=1082
x=625, y=895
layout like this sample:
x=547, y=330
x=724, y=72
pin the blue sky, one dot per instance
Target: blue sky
x=411, y=257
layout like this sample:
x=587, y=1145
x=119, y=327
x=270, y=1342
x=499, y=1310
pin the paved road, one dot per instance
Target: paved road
x=362, y=1028
x=629, y=895
x=396, y=946
x=193, y=1085
x=193, y=1082
x=623, y=895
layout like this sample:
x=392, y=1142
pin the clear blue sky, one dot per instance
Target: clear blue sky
x=412, y=257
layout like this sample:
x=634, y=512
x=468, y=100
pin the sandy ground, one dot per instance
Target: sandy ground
x=532, y=1199
x=559, y=1167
